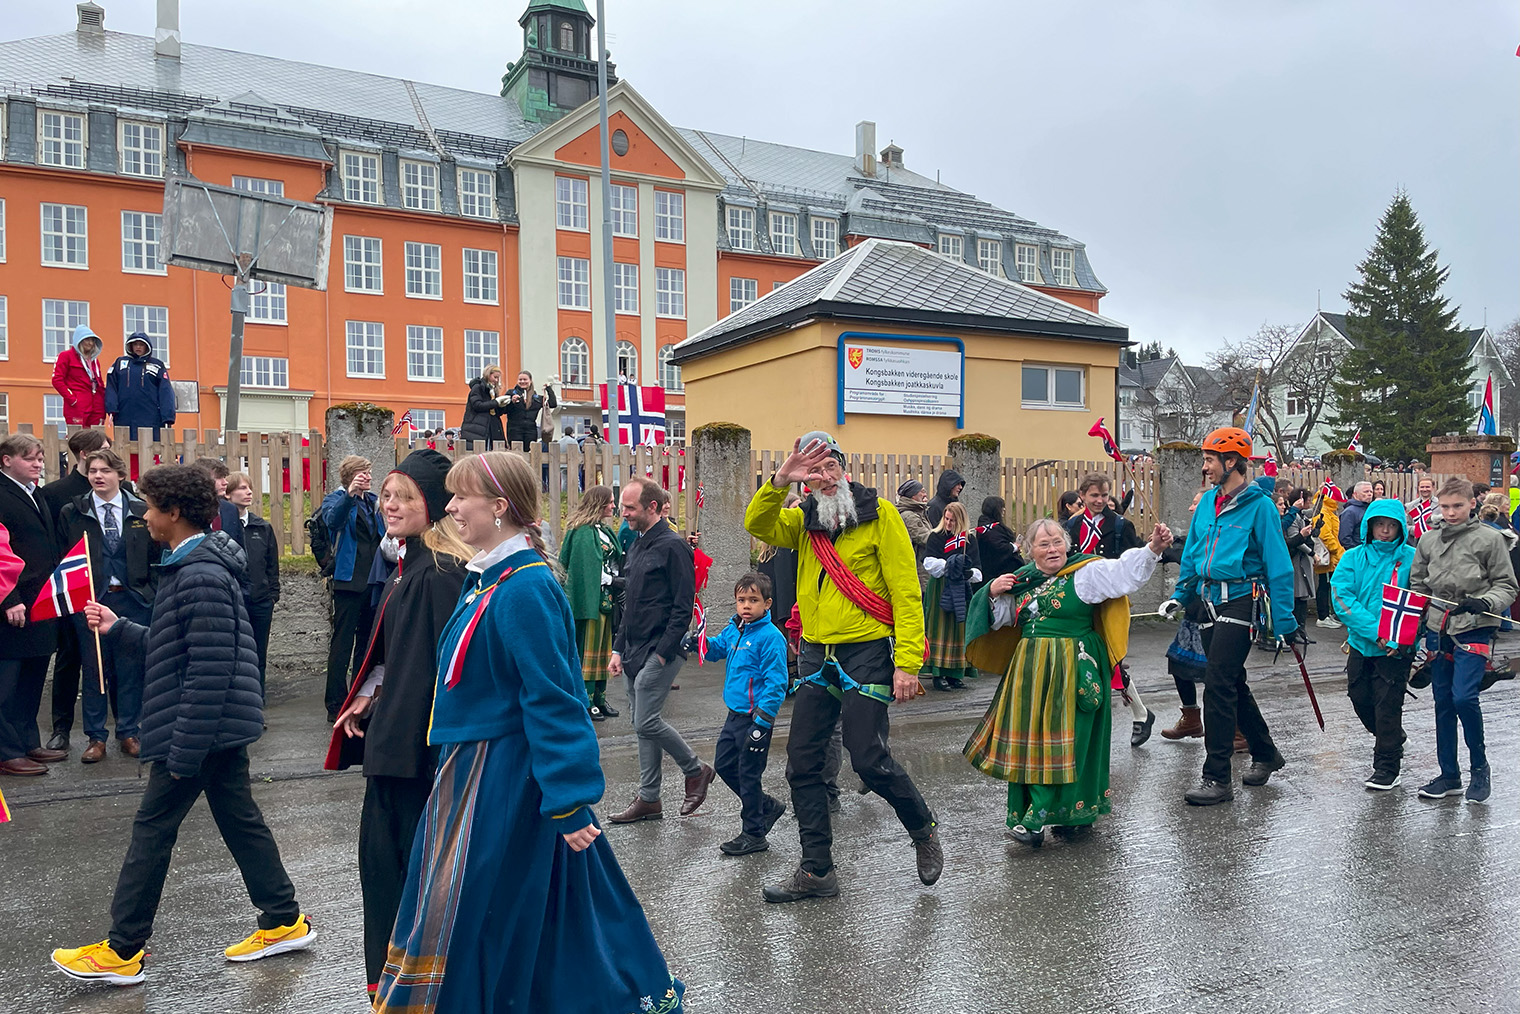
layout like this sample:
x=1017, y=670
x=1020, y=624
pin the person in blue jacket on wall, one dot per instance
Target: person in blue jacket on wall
x=138, y=391
x=1235, y=552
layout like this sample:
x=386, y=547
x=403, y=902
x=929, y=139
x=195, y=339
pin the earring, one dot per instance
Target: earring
x=498, y=522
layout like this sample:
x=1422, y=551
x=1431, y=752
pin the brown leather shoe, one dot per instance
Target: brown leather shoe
x=1189, y=726
x=130, y=747
x=47, y=756
x=639, y=810
x=696, y=789
x=96, y=751
x=22, y=766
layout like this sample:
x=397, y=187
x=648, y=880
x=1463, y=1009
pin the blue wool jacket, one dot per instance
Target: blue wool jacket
x=1244, y=543
x=1357, y=583
x=755, y=682
x=522, y=682
x=341, y=513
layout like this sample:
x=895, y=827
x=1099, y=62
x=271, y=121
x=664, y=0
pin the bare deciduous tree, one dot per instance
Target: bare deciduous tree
x=1302, y=374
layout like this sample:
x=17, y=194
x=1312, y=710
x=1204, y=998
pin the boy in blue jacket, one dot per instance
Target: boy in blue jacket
x=1378, y=667
x=753, y=688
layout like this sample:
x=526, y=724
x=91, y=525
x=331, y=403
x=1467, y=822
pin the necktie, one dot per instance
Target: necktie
x=112, y=532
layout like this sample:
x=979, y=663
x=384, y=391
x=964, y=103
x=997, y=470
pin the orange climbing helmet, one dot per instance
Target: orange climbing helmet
x=1229, y=439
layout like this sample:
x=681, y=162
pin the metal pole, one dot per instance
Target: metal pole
x=609, y=314
x=240, y=308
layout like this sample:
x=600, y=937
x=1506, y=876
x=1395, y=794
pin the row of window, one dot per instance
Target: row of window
x=364, y=182
x=572, y=209
x=1026, y=258
x=575, y=364
x=575, y=288
x=744, y=291
x=65, y=238
x=783, y=232
x=61, y=316
x=63, y=140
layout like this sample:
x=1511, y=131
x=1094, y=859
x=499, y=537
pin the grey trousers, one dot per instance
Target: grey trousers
x=646, y=700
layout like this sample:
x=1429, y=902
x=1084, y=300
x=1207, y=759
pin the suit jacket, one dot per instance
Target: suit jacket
x=34, y=539
x=78, y=518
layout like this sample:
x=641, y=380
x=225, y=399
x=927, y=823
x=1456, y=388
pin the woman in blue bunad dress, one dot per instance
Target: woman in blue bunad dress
x=513, y=900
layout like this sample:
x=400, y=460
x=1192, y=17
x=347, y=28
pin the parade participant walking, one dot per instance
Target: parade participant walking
x=263, y=565
x=1097, y=529
x=201, y=709
x=1465, y=566
x=661, y=587
x=912, y=504
x=1046, y=732
x=1236, y=559
x=953, y=563
x=77, y=376
x=1377, y=668
x=384, y=721
x=138, y=390
x=591, y=557
x=355, y=527
x=26, y=646
x=513, y=899
x=863, y=644
x=946, y=491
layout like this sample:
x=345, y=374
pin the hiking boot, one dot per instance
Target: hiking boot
x=800, y=885
x=1441, y=788
x=638, y=810
x=1020, y=833
x=931, y=854
x=1209, y=792
x=696, y=789
x=745, y=844
x=267, y=942
x=1189, y=726
x=1260, y=771
x=99, y=963
x=1382, y=781
x=1478, y=785
x=1142, y=730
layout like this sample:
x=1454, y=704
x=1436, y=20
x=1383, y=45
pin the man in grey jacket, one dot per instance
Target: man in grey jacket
x=1464, y=567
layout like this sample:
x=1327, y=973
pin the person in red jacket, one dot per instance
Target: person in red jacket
x=77, y=376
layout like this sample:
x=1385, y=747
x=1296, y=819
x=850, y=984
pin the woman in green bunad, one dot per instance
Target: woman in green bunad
x=591, y=557
x=1056, y=628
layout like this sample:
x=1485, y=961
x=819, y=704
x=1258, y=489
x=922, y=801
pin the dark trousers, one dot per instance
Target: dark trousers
x=387, y=826
x=1227, y=700
x=124, y=673
x=223, y=777
x=1456, y=676
x=65, y=680
x=740, y=767
x=1187, y=691
x=1375, y=685
x=21, y=682
x=1323, y=609
x=261, y=615
x=352, y=617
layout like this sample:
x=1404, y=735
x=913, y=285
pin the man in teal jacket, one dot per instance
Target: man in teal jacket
x=1378, y=667
x=1235, y=554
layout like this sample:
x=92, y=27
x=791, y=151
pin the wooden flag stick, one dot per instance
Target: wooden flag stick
x=89, y=570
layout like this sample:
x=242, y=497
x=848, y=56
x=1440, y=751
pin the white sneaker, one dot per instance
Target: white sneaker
x=1330, y=623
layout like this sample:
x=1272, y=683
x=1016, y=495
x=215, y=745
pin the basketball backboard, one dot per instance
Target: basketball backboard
x=212, y=228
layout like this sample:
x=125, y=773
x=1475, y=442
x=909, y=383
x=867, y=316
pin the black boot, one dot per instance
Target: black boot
x=1208, y=792
x=931, y=854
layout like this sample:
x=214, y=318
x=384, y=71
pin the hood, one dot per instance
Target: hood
x=147, y=346
x=1394, y=511
x=80, y=334
x=218, y=548
x=1250, y=491
x=911, y=505
x=948, y=480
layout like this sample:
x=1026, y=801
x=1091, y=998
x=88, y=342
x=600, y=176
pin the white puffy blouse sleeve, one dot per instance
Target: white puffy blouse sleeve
x=1102, y=580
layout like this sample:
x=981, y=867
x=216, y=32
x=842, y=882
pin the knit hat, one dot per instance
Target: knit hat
x=826, y=440
x=428, y=468
x=909, y=489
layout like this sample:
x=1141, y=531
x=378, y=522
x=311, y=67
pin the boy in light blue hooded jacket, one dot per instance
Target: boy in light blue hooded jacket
x=1378, y=667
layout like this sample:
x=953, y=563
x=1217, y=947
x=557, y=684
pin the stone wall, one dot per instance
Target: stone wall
x=363, y=429
x=978, y=458
x=721, y=460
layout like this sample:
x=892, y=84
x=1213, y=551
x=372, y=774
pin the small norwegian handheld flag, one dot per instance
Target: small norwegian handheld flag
x=68, y=589
x=1399, y=621
x=699, y=616
x=1269, y=467
x=1109, y=447
x=701, y=497
x=1421, y=518
x=403, y=422
x=1330, y=491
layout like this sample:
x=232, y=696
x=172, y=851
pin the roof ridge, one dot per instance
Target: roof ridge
x=847, y=268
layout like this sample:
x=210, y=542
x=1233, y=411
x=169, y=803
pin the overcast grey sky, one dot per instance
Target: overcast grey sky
x=1223, y=161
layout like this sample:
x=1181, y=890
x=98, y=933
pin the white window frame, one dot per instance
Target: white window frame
x=71, y=153
x=574, y=287
x=952, y=245
x=825, y=238
x=364, y=262
x=1049, y=402
x=482, y=283
x=669, y=216
x=5, y=410
x=1026, y=262
x=1297, y=402
x=5, y=331
x=670, y=293
x=989, y=256
x=268, y=372
x=1063, y=265
x=675, y=429
x=628, y=352
x=73, y=312
x=424, y=353
x=52, y=412
x=424, y=270
x=625, y=209
x=741, y=228
x=783, y=231
x=2, y=226
x=268, y=305
x=574, y=362
x=477, y=193
x=670, y=373
x=572, y=203
x=259, y=185
x=625, y=287
x=742, y=292
x=362, y=177
x=152, y=321
x=419, y=185
x=136, y=245
x=366, y=339
x=67, y=240
x=148, y=155
x=481, y=349
x=424, y=419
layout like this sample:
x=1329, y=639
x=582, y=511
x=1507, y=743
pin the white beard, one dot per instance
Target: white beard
x=838, y=511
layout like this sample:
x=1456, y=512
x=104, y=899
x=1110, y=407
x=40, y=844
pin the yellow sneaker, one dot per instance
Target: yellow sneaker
x=297, y=936
x=99, y=963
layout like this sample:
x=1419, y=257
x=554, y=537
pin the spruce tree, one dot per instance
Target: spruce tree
x=1408, y=375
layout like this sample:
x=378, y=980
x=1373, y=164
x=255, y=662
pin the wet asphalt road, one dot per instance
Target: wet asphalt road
x=1307, y=895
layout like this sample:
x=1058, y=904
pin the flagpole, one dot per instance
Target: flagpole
x=89, y=570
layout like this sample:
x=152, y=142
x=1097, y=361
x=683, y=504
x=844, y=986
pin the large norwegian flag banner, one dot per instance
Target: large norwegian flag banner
x=641, y=414
x=68, y=589
x=1399, y=621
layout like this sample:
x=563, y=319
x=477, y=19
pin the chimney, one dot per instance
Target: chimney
x=865, y=147
x=891, y=156
x=166, y=36
x=92, y=19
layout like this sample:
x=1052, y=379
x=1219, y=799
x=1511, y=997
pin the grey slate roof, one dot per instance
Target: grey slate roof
x=887, y=281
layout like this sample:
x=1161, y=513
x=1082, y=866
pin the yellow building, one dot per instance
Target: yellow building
x=896, y=349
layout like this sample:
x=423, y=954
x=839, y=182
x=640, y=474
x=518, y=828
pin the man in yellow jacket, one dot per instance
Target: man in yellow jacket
x=863, y=644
